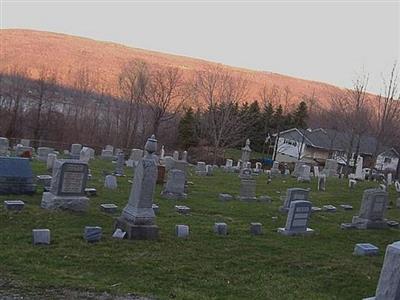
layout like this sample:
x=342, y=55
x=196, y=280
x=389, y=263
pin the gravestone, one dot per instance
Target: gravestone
x=221, y=228
x=229, y=163
x=25, y=142
x=321, y=182
x=297, y=166
x=44, y=180
x=209, y=170
x=359, y=175
x=181, y=165
x=389, y=280
x=255, y=228
x=182, y=209
x=155, y=208
x=316, y=171
x=86, y=154
x=51, y=158
x=119, y=167
x=275, y=169
x=201, y=168
x=245, y=173
x=92, y=234
x=175, y=186
x=162, y=152
x=331, y=166
x=175, y=155
x=246, y=151
x=138, y=218
x=389, y=179
x=110, y=182
x=225, y=197
x=258, y=169
x=75, y=152
x=169, y=163
x=24, y=151
x=68, y=185
x=16, y=176
x=329, y=208
x=107, y=154
x=247, y=190
x=184, y=155
x=43, y=152
x=372, y=211
x=14, y=205
x=182, y=231
x=352, y=183
x=41, y=236
x=4, y=146
x=136, y=155
x=397, y=186
x=304, y=174
x=297, y=219
x=109, y=208
x=365, y=249
x=294, y=194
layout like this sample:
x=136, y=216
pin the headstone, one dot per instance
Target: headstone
x=265, y=199
x=297, y=166
x=182, y=231
x=175, y=186
x=136, y=155
x=221, y=228
x=109, y=148
x=245, y=173
x=175, y=155
x=297, y=219
x=352, y=183
x=155, y=208
x=331, y=167
x=329, y=208
x=51, y=158
x=389, y=280
x=229, y=163
x=201, y=168
x=15, y=205
x=25, y=142
x=366, y=249
x=43, y=152
x=41, y=236
x=169, y=163
x=92, y=234
x=346, y=206
x=119, y=234
x=4, y=146
x=162, y=154
x=321, y=182
x=304, y=174
x=294, y=194
x=138, y=218
x=90, y=192
x=86, y=154
x=275, y=169
x=389, y=179
x=397, y=186
x=359, y=168
x=209, y=170
x=107, y=154
x=247, y=190
x=119, y=167
x=258, y=168
x=372, y=211
x=182, y=209
x=24, y=151
x=109, y=208
x=75, y=152
x=44, y=180
x=68, y=185
x=184, y=155
x=110, y=182
x=16, y=176
x=225, y=197
x=246, y=151
x=316, y=171
x=255, y=228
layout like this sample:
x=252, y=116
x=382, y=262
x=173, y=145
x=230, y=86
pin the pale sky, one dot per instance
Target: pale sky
x=329, y=41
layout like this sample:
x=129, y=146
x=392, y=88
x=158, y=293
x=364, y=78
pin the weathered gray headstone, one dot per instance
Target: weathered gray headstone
x=86, y=154
x=92, y=234
x=25, y=142
x=321, y=182
x=294, y=194
x=389, y=281
x=4, y=146
x=15, y=205
x=119, y=167
x=75, y=152
x=138, y=218
x=110, y=182
x=304, y=174
x=297, y=219
x=331, y=166
x=201, y=168
x=372, y=211
x=175, y=185
x=275, y=169
x=246, y=151
x=41, y=236
x=184, y=156
x=68, y=185
x=365, y=249
x=43, y=152
x=221, y=228
x=182, y=231
x=51, y=158
x=247, y=190
x=175, y=155
x=255, y=228
x=23, y=151
x=16, y=176
x=109, y=208
x=225, y=197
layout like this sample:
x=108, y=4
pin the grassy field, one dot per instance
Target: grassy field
x=205, y=266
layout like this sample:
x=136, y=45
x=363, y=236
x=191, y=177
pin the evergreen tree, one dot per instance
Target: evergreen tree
x=300, y=115
x=187, y=136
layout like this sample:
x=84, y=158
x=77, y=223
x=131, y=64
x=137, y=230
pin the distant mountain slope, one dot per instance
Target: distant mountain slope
x=65, y=53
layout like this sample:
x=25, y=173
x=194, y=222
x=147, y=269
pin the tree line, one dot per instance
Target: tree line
x=211, y=108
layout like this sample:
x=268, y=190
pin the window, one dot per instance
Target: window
x=388, y=160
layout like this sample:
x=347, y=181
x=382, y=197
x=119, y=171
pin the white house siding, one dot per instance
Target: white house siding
x=382, y=165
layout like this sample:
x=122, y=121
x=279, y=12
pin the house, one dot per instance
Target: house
x=315, y=146
x=387, y=160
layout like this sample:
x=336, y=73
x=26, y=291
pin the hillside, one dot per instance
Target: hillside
x=34, y=49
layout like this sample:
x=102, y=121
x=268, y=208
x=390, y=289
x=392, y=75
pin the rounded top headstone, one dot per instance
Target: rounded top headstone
x=151, y=144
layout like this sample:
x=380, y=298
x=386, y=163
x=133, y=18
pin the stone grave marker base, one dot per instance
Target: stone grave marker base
x=283, y=231
x=137, y=232
x=50, y=201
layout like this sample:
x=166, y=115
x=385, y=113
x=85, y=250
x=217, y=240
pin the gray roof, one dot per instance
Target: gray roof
x=330, y=140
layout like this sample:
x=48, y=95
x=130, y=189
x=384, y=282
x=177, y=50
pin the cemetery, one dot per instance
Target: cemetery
x=191, y=236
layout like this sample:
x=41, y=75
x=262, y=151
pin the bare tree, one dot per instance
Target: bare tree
x=165, y=94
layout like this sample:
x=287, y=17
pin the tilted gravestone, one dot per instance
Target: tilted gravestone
x=372, y=211
x=293, y=194
x=16, y=176
x=68, y=185
x=389, y=280
x=297, y=219
x=331, y=166
x=138, y=218
x=304, y=174
x=175, y=186
x=321, y=182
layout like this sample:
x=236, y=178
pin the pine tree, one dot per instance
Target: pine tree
x=187, y=136
x=300, y=115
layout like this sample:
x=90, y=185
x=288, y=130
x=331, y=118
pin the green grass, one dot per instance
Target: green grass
x=205, y=266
